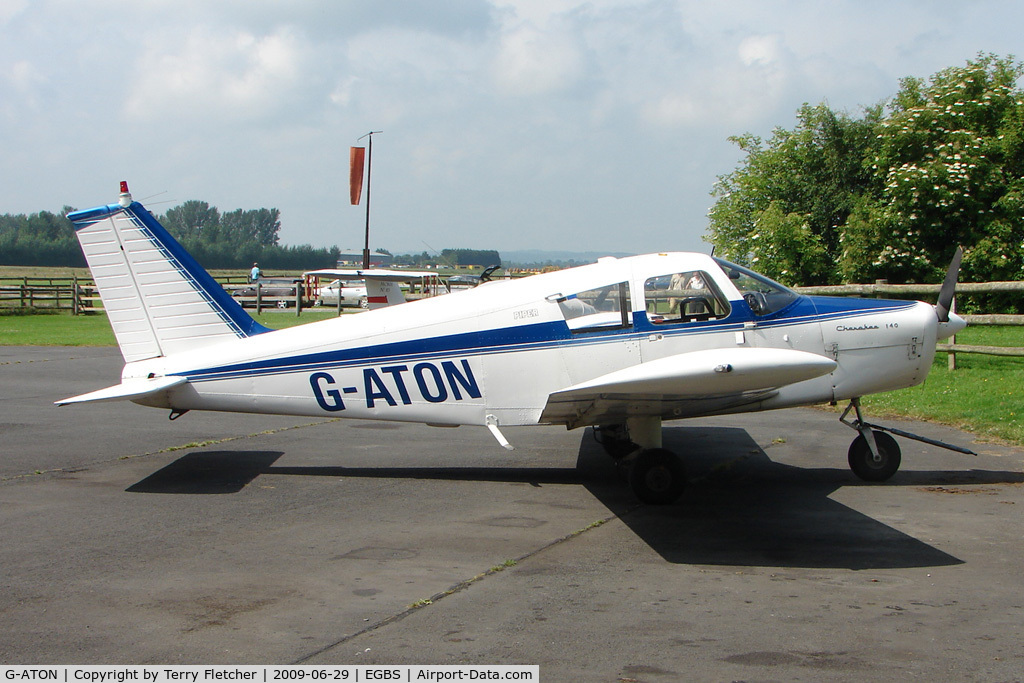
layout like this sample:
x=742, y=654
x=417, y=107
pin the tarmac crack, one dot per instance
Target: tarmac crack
x=460, y=587
x=39, y=360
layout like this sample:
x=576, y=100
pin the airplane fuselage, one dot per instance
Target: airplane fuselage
x=502, y=349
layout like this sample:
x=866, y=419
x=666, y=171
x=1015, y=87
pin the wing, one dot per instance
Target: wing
x=684, y=385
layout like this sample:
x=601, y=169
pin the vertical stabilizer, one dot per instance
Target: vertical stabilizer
x=381, y=293
x=159, y=300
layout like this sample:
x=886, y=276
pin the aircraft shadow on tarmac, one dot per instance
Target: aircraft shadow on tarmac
x=208, y=472
x=739, y=509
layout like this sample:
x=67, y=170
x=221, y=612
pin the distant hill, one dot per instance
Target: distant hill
x=538, y=257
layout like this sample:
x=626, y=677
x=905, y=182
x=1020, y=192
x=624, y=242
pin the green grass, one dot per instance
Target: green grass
x=94, y=329
x=55, y=330
x=985, y=395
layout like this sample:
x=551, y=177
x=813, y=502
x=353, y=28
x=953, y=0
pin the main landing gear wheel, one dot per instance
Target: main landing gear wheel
x=863, y=462
x=657, y=477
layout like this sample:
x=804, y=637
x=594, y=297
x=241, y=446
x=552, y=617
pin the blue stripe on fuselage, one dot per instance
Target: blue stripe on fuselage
x=540, y=336
x=503, y=340
x=829, y=307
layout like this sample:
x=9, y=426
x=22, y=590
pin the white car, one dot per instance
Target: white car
x=352, y=293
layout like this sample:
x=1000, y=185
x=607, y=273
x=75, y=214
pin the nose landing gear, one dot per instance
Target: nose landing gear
x=874, y=455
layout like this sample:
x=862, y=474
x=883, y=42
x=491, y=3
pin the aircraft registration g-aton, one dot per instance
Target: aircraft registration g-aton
x=621, y=345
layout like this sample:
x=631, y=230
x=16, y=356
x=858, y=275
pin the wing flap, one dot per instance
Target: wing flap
x=127, y=390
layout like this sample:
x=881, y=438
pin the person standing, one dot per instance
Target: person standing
x=254, y=274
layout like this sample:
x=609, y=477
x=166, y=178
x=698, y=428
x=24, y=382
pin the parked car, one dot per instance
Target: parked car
x=352, y=293
x=273, y=291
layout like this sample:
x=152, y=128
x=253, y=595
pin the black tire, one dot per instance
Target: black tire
x=657, y=477
x=863, y=463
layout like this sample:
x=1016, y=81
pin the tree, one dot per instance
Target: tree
x=949, y=170
x=253, y=227
x=39, y=239
x=793, y=195
x=471, y=257
x=232, y=240
x=889, y=195
x=193, y=220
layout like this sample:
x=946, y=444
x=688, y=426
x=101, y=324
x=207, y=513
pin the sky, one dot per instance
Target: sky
x=505, y=124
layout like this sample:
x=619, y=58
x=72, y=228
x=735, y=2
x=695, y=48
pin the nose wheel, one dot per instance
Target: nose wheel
x=869, y=466
x=873, y=455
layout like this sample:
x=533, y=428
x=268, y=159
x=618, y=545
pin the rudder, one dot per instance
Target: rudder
x=158, y=299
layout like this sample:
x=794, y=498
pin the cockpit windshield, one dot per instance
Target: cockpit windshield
x=764, y=296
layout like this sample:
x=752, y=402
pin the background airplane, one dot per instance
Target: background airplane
x=371, y=288
x=621, y=345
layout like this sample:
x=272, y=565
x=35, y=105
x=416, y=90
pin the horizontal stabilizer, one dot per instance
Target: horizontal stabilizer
x=127, y=390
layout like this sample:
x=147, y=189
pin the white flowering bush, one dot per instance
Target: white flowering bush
x=889, y=195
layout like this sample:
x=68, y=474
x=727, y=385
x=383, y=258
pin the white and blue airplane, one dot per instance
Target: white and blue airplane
x=620, y=345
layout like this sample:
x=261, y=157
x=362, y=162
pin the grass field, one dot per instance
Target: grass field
x=985, y=395
x=94, y=330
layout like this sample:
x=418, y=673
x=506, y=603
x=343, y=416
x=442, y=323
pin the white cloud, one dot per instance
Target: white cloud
x=760, y=50
x=10, y=9
x=508, y=123
x=238, y=76
x=532, y=62
x=24, y=76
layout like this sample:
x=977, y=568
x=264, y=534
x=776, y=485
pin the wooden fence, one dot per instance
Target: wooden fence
x=68, y=294
x=79, y=295
x=883, y=290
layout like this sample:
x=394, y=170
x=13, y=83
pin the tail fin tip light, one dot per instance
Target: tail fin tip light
x=125, y=198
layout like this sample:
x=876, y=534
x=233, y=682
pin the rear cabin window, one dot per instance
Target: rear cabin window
x=683, y=297
x=599, y=309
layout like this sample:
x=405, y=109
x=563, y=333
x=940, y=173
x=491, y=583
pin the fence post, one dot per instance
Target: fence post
x=74, y=295
x=951, y=357
x=298, y=300
x=259, y=297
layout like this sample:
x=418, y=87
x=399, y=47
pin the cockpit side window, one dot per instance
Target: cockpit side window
x=599, y=309
x=764, y=296
x=683, y=297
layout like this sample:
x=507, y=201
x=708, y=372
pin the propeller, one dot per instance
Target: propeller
x=948, y=289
